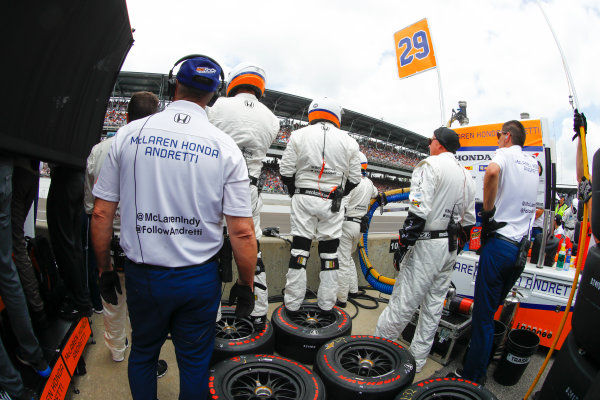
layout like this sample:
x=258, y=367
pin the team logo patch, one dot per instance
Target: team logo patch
x=182, y=118
x=469, y=168
x=329, y=264
x=302, y=260
x=482, y=167
x=249, y=103
x=205, y=70
x=415, y=203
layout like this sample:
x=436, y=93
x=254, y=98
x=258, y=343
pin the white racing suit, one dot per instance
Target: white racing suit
x=253, y=127
x=317, y=159
x=114, y=316
x=569, y=220
x=357, y=205
x=438, y=185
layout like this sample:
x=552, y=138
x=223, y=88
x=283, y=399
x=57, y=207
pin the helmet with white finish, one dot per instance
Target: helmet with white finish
x=325, y=109
x=247, y=76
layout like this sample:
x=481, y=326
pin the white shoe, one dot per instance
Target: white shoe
x=119, y=356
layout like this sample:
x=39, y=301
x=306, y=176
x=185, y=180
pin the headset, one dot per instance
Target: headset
x=172, y=80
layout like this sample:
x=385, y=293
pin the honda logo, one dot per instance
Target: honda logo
x=182, y=118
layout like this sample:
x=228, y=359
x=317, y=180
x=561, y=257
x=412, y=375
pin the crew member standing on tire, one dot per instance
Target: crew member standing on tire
x=442, y=193
x=356, y=206
x=175, y=176
x=319, y=165
x=253, y=127
x=509, y=198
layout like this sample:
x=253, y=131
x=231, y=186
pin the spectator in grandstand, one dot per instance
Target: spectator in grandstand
x=253, y=127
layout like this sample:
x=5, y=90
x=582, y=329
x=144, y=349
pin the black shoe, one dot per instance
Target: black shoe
x=161, y=368
x=28, y=394
x=341, y=304
x=457, y=373
x=354, y=295
x=71, y=313
x=40, y=366
x=258, y=322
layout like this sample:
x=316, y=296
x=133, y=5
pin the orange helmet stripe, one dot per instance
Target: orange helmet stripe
x=247, y=78
x=323, y=114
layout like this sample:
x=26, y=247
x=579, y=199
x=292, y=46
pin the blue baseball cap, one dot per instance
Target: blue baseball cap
x=200, y=73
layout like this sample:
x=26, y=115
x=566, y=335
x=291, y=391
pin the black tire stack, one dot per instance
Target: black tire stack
x=578, y=362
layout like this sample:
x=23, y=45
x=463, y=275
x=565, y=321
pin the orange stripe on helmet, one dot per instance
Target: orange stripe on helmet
x=247, y=78
x=364, y=165
x=319, y=114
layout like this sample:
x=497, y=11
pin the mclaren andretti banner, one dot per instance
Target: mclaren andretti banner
x=479, y=143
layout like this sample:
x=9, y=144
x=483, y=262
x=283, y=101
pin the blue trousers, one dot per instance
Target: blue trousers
x=495, y=273
x=183, y=302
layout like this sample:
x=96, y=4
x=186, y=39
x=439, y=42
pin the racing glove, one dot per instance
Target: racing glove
x=242, y=294
x=579, y=121
x=290, y=183
x=109, y=286
x=381, y=199
x=399, y=256
x=489, y=225
x=410, y=232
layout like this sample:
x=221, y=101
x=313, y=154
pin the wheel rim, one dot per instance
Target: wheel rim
x=366, y=361
x=230, y=328
x=313, y=317
x=263, y=384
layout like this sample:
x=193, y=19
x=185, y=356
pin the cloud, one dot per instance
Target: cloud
x=498, y=56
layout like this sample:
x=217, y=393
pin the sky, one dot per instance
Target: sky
x=498, y=55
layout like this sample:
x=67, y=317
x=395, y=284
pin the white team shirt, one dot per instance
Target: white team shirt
x=175, y=176
x=517, y=191
x=250, y=123
x=358, y=200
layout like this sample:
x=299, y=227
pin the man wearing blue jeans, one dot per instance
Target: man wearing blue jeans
x=175, y=176
x=29, y=351
x=509, y=201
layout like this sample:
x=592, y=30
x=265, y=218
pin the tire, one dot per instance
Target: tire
x=234, y=337
x=259, y=376
x=572, y=373
x=364, y=367
x=585, y=322
x=300, y=336
x=447, y=389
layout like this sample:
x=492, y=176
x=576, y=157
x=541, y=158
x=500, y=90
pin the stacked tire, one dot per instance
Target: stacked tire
x=445, y=388
x=578, y=362
x=235, y=337
x=364, y=367
x=300, y=335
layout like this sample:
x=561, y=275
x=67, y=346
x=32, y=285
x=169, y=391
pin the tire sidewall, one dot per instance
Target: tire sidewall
x=425, y=389
x=347, y=385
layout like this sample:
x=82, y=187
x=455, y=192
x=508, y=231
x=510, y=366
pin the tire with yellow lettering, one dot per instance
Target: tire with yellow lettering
x=364, y=367
x=234, y=337
x=299, y=335
x=445, y=388
x=259, y=376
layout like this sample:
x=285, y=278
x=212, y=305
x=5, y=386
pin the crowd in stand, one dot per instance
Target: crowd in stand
x=390, y=157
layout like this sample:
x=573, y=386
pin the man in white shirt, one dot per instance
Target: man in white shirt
x=175, y=176
x=509, y=201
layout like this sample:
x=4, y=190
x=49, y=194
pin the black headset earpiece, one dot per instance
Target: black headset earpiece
x=172, y=80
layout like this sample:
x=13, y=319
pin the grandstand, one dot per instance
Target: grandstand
x=392, y=151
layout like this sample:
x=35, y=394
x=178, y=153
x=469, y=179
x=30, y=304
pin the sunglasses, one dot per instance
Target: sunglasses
x=500, y=133
x=430, y=140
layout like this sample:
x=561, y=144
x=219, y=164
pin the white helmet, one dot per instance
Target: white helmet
x=325, y=109
x=364, y=163
x=574, y=203
x=247, y=76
